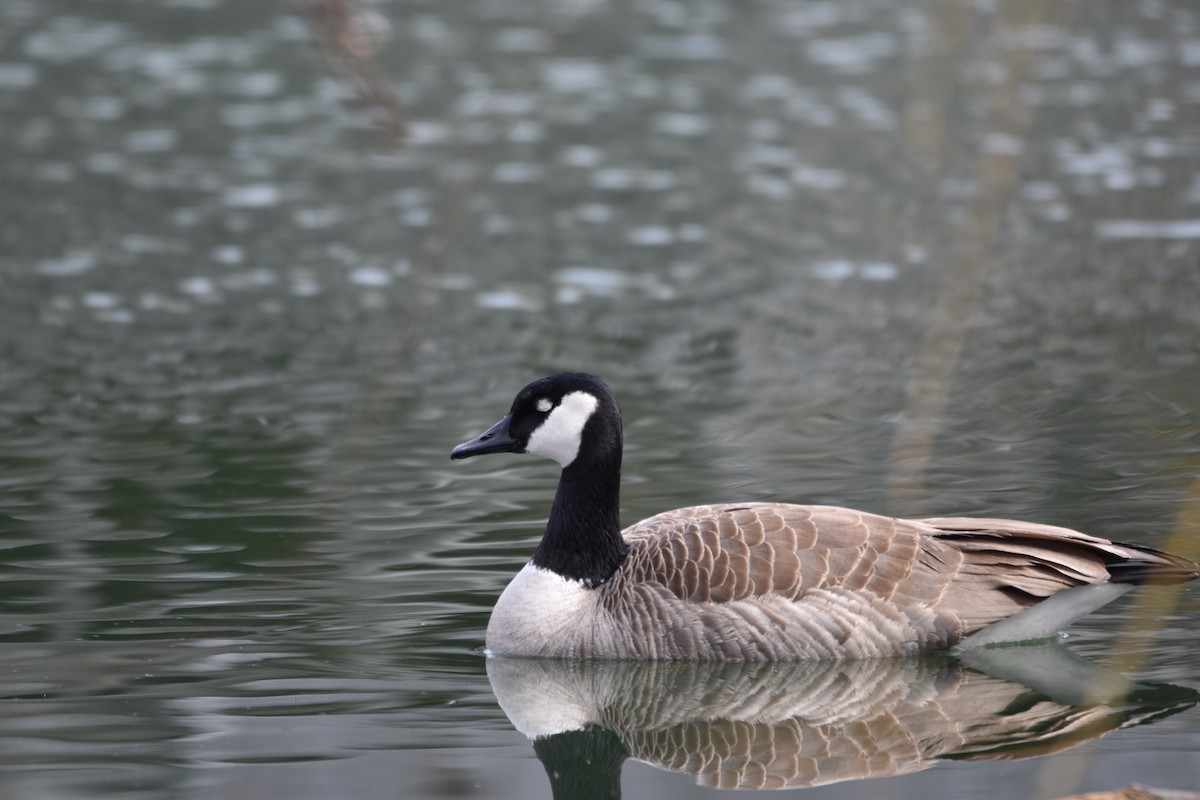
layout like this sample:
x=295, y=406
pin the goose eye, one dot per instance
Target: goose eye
x=544, y=404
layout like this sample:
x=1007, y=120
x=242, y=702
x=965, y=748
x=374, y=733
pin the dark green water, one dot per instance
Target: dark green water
x=259, y=272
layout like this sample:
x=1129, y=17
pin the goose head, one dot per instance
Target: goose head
x=572, y=418
x=558, y=418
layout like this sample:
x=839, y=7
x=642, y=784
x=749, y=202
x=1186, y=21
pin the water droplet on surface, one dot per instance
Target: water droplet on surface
x=17, y=76
x=198, y=286
x=100, y=300
x=574, y=75
x=74, y=263
x=257, y=195
x=370, y=276
x=507, y=300
x=651, y=236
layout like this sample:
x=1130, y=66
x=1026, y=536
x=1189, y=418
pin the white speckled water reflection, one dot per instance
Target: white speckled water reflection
x=263, y=264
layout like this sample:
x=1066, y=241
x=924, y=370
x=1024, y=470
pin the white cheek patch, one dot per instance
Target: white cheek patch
x=559, y=436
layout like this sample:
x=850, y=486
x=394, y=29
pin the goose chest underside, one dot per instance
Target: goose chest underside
x=543, y=614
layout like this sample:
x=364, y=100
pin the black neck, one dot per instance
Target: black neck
x=583, y=764
x=583, y=539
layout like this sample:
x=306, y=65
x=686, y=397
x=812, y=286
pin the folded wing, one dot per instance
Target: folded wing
x=967, y=573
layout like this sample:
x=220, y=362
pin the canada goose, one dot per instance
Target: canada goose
x=772, y=581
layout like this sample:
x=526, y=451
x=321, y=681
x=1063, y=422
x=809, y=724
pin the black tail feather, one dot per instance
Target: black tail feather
x=1152, y=567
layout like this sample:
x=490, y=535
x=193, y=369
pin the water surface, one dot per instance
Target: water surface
x=263, y=264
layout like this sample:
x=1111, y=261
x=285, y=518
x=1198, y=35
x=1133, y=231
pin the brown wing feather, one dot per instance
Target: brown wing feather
x=1009, y=565
x=726, y=553
x=968, y=572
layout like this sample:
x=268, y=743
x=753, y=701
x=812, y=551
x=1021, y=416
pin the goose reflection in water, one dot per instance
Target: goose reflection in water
x=803, y=724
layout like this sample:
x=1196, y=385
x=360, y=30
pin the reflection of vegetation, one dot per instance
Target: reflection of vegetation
x=350, y=35
x=1151, y=612
x=971, y=254
x=171, y=522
